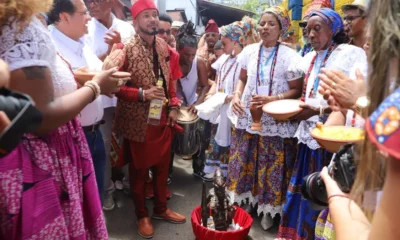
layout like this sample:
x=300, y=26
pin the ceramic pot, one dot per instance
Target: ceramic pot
x=256, y=114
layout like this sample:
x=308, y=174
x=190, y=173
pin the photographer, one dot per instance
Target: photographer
x=379, y=160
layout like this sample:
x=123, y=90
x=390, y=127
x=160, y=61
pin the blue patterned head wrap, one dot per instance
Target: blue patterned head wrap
x=331, y=18
x=236, y=31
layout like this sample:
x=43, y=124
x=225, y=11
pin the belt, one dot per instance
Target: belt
x=93, y=127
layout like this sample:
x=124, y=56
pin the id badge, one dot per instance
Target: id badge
x=221, y=90
x=263, y=90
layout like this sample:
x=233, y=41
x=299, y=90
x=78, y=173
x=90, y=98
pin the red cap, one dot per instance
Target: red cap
x=212, y=27
x=142, y=5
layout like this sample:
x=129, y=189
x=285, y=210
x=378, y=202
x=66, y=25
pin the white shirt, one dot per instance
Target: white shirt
x=345, y=58
x=79, y=55
x=95, y=40
x=189, y=85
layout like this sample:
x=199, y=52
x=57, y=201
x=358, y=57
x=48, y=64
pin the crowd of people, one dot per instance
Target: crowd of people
x=58, y=180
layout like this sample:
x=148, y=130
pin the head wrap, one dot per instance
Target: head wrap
x=316, y=5
x=142, y=5
x=283, y=17
x=236, y=31
x=212, y=27
x=331, y=18
x=383, y=128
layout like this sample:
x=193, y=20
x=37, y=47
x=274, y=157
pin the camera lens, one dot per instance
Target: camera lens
x=313, y=189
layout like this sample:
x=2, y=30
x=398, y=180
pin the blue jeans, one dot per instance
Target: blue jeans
x=98, y=152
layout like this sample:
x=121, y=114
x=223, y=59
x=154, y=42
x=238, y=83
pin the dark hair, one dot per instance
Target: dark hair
x=341, y=37
x=360, y=11
x=165, y=18
x=186, y=36
x=218, y=45
x=60, y=6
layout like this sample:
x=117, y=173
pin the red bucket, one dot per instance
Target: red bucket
x=241, y=217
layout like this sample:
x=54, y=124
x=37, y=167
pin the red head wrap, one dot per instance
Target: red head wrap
x=212, y=27
x=142, y=5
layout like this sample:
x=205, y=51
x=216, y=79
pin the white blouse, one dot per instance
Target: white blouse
x=285, y=72
x=227, y=80
x=344, y=58
x=33, y=47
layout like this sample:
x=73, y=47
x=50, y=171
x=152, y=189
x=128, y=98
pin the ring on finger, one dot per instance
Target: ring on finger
x=333, y=84
x=120, y=83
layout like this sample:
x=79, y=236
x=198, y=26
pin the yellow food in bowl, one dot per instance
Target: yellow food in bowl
x=340, y=133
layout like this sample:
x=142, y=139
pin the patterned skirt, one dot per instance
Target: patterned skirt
x=48, y=188
x=298, y=220
x=324, y=229
x=259, y=169
x=216, y=156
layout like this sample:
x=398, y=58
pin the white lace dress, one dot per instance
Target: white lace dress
x=344, y=58
x=260, y=162
x=47, y=184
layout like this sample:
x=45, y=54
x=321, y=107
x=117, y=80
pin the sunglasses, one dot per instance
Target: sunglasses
x=302, y=24
x=162, y=31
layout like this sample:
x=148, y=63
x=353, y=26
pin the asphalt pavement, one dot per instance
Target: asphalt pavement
x=186, y=189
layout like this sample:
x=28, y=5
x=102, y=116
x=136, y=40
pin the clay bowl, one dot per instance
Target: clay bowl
x=282, y=110
x=83, y=75
x=342, y=136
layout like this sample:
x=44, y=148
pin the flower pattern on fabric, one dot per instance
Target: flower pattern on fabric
x=259, y=169
x=298, y=219
x=383, y=125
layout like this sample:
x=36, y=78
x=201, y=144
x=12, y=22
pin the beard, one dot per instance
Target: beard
x=152, y=32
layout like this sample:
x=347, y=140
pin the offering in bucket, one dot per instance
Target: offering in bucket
x=216, y=209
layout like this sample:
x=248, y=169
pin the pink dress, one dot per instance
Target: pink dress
x=48, y=188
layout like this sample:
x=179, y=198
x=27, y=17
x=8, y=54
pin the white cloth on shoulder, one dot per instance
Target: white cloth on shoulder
x=215, y=111
x=210, y=109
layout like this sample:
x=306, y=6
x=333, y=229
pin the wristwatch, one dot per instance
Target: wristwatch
x=362, y=104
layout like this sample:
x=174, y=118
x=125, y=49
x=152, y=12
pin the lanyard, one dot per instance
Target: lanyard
x=260, y=71
x=265, y=64
x=221, y=79
x=310, y=70
x=317, y=68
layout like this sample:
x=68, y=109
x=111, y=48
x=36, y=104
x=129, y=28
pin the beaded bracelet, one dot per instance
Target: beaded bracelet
x=93, y=90
x=95, y=87
x=240, y=94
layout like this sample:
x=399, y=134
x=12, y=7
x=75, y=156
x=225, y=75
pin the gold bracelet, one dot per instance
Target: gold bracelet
x=93, y=90
x=95, y=87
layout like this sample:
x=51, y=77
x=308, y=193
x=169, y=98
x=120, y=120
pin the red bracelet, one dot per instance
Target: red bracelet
x=337, y=195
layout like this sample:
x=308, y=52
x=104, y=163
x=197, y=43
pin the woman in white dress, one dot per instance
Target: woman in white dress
x=260, y=162
x=234, y=37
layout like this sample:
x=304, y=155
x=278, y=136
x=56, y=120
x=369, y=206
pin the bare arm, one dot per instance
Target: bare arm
x=237, y=106
x=386, y=219
x=336, y=119
x=37, y=83
x=203, y=80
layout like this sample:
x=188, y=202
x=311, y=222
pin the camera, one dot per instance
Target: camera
x=343, y=171
x=24, y=117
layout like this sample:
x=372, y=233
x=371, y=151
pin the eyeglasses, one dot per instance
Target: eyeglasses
x=350, y=18
x=162, y=31
x=303, y=24
x=83, y=13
